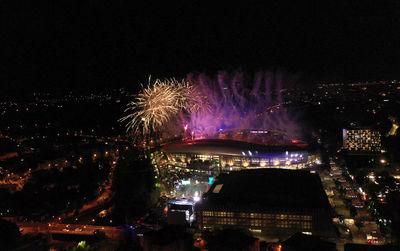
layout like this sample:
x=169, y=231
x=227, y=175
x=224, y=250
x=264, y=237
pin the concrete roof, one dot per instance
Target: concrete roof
x=266, y=188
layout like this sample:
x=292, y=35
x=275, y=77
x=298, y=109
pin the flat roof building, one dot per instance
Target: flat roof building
x=268, y=202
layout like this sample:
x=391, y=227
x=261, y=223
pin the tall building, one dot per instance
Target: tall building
x=269, y=202
x=359, y=140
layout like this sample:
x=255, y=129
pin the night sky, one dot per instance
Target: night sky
x=62, y=45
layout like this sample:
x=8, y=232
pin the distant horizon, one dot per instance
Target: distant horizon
x=136, y=86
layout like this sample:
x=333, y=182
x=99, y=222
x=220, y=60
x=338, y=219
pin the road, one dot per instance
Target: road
x=59, y=228
x=339, y=204
x=105, y=197
x=80, y=229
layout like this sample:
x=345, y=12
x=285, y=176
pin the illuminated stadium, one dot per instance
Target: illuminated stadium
x=240, y=149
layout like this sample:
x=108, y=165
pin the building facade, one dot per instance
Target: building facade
x=260, y=222
x=361, y=140
x=228, y=155
x=267, y=202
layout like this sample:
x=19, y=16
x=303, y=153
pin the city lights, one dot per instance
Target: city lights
x=259, y=127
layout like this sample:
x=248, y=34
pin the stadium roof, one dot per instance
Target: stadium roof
x=265, y=189
x=227, y=147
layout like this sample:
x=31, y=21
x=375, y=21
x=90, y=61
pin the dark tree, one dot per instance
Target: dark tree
x=228, y=239
x=134, y=185
x=9, y=234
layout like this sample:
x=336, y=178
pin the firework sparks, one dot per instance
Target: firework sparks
x=159, y=102
x=200, y=106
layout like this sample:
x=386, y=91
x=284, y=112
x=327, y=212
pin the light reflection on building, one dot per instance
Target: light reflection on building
x=233, y=155
x=361, y=140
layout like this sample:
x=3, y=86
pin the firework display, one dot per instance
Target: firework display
x=200, y=106
x=237, y=104
x=158, y=103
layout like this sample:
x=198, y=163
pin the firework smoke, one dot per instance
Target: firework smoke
x=233, y=105
x=205, y=106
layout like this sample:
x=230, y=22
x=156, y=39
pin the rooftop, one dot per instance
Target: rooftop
x=265, y=189
x=168, y=235
x=300, y=242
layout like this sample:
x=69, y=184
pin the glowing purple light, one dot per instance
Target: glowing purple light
x=229, y=102
x=233, y=105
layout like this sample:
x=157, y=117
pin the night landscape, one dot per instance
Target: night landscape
x=195, y=125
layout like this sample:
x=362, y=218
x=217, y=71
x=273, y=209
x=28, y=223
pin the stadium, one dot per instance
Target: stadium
x=240, y=149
